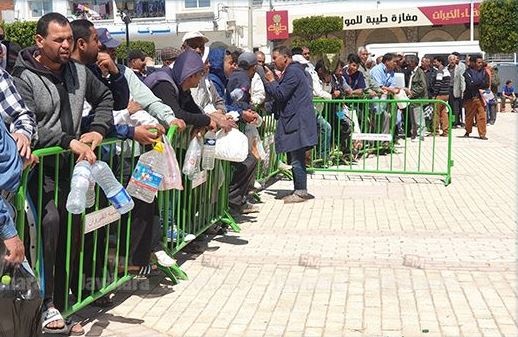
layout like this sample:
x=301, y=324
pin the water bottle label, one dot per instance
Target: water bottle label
x=144, y=175
x=120, y=199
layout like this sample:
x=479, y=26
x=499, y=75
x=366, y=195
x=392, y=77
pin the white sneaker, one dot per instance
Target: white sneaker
x=257, y=185
x=164, y=260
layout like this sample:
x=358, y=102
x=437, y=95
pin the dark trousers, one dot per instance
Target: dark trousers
x=243, y=174
x=298, y=166
x=456, y=107
x=145, y=230
x=54, y=233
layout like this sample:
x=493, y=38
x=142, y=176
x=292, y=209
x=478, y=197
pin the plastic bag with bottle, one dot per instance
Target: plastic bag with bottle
x=20, y=299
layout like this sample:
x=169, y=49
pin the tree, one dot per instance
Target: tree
x=313, y=32
x=20, y=32
x=148, y=47
x=498, y=26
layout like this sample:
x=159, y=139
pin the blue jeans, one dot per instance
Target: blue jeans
x=324, y=143
x=297, y=160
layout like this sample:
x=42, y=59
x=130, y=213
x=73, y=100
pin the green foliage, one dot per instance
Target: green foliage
x=148, y=47
x=325, y=45
x=498, y=26
x=313, y=32
x=314, y=27
x=20, y=32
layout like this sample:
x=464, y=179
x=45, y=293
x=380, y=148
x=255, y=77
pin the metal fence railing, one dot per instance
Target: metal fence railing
x=384, y=137
x=93, y=251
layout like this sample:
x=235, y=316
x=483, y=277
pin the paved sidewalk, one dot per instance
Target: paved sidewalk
x=370, y=256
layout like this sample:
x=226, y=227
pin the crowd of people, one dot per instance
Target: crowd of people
x=68, y=90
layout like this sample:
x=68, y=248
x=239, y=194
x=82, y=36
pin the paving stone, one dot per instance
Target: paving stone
x=372, y=255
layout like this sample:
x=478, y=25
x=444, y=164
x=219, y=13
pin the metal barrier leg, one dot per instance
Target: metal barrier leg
x=229, y=220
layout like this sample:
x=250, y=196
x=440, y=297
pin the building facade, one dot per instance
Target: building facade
x=165, y=21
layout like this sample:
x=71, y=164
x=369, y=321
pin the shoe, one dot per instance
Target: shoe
x=413, y=139
x=172, y=235
x=466, y=135
x=444, y=134
x=306, y=195
x=293, y=198
x=246, y=208
x=484, y=138
x=164, y=260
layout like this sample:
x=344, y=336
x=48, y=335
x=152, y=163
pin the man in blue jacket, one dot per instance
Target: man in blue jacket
x=297, y=125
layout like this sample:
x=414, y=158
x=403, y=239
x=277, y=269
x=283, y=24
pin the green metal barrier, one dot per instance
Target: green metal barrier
x=96, y=263
x=196, y=208
x=270, y=166
x=364, y=138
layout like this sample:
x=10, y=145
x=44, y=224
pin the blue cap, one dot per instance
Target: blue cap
x=106, y=39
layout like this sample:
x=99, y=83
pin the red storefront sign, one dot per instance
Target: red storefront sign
x=451, y=14
x=277, y=25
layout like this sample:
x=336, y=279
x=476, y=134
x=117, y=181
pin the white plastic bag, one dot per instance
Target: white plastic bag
x=401, y=95
x=231, y=146
x=172, y=176
x=191, y=164
x=255, y=145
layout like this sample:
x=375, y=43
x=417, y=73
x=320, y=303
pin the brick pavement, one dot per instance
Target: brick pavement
x=370, y=256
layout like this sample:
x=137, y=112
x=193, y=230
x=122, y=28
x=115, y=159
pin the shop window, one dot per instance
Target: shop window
x=143, y=8
x=197, y=3
x=40, y=7
x=93, y=9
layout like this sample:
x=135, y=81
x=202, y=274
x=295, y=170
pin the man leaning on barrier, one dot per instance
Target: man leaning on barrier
x=14, y=148
x=55, y=89
x=383, y=75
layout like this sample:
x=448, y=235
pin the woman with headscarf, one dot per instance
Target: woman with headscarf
x=173, y=86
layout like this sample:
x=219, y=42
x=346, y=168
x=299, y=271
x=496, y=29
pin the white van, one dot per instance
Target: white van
x=426, y=48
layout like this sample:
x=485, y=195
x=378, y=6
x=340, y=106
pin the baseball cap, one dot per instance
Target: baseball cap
x=169, y=53
x=246, y=59
x=106, y=39
x=193, y=35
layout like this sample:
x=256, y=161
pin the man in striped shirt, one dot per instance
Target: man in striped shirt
x=441, y=91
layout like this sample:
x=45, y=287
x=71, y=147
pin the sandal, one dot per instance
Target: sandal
x=70, y=325
x=52, y=315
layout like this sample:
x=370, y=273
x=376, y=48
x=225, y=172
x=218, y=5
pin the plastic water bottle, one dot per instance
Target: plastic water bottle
x=209, y=151
x=113, y=190
x=76, y=201
x=148, y=174
x=90, y=193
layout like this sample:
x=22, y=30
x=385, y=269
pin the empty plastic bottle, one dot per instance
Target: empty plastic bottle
x=113, y=190
x=148, y=174
x=209, y=151
x=76, y=202
x=90, y=193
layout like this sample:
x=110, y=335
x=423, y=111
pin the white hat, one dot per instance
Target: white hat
x=193, y=35
x=300, y=59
